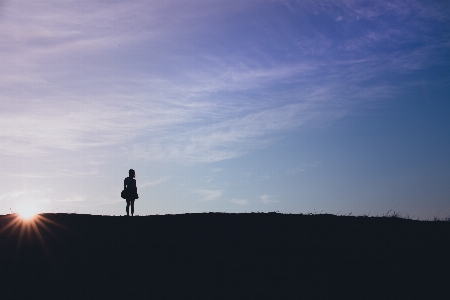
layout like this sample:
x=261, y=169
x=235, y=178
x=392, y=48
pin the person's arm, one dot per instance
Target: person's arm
x=135, y=189
x=125, y=184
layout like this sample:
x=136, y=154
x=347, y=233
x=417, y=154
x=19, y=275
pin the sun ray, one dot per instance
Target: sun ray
x=40, y=223
x=17, y=223
x=29, y=228
x=38, y=234
x=10, y=224
x=24, y=226
x=44, y=219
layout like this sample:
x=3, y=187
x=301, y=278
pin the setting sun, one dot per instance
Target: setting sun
x=27, y=212
x=27, y=222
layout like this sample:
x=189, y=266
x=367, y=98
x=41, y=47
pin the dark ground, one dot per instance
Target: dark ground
x=227, y=256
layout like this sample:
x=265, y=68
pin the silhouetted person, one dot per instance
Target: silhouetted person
x=129, y=184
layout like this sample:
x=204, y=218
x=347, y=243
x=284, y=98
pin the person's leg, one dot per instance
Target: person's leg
x=128, y=207
x=132, y=207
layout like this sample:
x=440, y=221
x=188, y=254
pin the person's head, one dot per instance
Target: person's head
x=131, y=173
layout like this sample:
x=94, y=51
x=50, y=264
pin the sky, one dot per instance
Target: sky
x=339, y=107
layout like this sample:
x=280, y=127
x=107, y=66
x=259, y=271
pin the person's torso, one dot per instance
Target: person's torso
x=130, y=182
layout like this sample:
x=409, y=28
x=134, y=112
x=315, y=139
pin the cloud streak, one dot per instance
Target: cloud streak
x=90, y=75
x=152, y=182
x=29, y=195
x=74, y=198
x=267, y=199
x=240, y=201
x=208, y=195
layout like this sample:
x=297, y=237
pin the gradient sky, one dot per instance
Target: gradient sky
x=226, y=106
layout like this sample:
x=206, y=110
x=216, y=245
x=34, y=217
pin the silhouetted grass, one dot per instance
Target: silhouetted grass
x=228, y=256
x=390, y=214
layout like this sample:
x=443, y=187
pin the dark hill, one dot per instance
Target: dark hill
x=226, y=256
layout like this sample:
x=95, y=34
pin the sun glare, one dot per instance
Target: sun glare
x=27, y=212
x=27, y=215
x=27, y=222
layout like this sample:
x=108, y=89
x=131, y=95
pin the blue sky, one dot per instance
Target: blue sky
x=231, y=106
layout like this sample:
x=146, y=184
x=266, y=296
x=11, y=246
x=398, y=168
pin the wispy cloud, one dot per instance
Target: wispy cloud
x=73, y=198
x=194, y=82
x=240, y=201
x=208, y=195
x=302, y=168
x=110, y=201
x=63, y=173
x=32, y=195
x=357, y=10
x=14, y=194
x=267, y=199
x=152, y=182
x=76, y=78
x=234, y=137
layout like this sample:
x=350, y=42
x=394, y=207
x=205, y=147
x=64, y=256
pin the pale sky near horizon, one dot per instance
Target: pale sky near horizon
x=226, y=106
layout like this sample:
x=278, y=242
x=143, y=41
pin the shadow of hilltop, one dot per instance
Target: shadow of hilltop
x=226, y=256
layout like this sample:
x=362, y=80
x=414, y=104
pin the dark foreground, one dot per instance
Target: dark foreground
x=226, y=256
